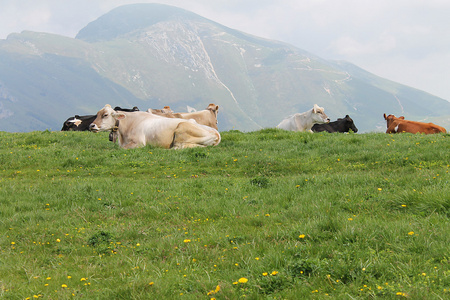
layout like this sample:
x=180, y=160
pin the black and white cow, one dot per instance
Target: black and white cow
x=341, y=125
x=78, y=123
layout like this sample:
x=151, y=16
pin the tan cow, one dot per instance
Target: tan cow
x=139, y=128
x=397, y=125
x=165, y=110
x=304, y=121
x=206, y=117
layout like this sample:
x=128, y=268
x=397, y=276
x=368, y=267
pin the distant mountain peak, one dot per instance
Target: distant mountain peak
x=129, y=18
x=153, y=55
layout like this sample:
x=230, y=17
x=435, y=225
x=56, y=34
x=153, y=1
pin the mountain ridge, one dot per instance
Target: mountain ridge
x=170, y=56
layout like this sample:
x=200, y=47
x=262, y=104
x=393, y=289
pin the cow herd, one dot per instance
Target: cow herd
x=133, y=128
x=137, y=129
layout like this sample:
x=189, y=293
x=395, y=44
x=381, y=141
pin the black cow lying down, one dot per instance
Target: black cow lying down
x=340, y=125
x=81, y=123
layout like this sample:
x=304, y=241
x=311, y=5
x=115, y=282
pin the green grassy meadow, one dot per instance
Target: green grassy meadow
x=268, y=214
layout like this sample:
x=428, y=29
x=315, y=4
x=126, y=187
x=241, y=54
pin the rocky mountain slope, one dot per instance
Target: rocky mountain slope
x=152, y=55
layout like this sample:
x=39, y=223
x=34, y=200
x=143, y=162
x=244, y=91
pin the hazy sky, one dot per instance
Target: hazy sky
x=407, y=41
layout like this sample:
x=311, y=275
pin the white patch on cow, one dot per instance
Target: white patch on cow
x=396, y=128
x=76, y=122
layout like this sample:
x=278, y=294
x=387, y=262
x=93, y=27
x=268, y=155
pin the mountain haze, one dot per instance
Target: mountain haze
x=153, y=55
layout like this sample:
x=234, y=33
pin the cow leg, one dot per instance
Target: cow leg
x=189, y=135
x=129, y=143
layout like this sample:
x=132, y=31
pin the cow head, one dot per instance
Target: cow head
x=166, y=110
x=106, y=119
x=214, y=109
x=350, y=124
x=391, y=118
x=319, y=116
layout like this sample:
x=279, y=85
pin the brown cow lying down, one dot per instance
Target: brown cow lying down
x=397, y=125
x=137, y=129
x=206, y=117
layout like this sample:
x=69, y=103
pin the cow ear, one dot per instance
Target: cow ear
x=317, y=109
x=384, y=115
x=119, y=116
x=402, y=117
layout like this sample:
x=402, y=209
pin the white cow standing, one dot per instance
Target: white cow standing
x=137, y=129
x=304, y=121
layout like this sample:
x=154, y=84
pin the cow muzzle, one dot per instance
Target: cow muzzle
x=93, y=127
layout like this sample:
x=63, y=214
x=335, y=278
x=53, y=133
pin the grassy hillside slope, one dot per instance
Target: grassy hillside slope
x=267, y=214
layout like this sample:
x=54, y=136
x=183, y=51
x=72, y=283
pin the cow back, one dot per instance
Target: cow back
x=323, y=127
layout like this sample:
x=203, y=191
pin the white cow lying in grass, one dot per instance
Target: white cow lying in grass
x=137, y=129
x=304, y=121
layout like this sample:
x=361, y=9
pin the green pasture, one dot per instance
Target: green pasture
x=264, y=215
